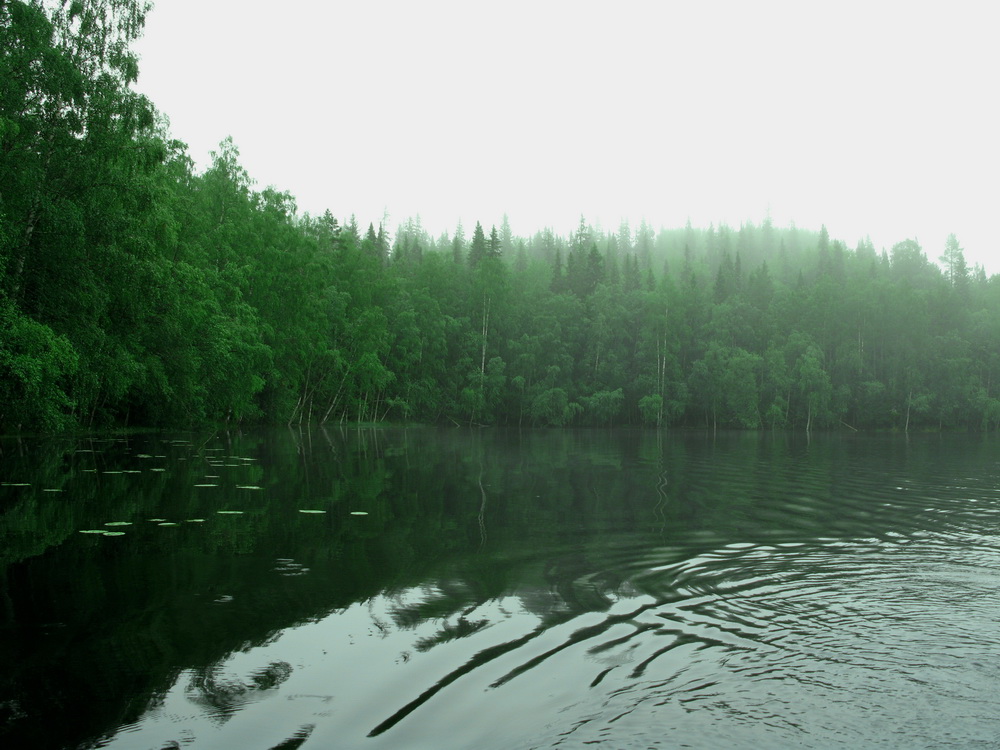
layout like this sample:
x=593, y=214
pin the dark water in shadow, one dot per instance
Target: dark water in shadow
x=489, y=589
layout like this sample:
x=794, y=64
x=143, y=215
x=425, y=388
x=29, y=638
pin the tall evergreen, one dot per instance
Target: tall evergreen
x=478, y=248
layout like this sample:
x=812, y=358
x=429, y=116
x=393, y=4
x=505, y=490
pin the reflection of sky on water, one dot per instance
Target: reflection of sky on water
x=348, y=673
x=758, y=642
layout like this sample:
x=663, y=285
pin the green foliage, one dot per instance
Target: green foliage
x=553, y=408
x=35, y=368
x=135, y=290
x=604, y=406
x=650, y=408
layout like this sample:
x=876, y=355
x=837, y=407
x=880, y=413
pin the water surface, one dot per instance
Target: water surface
x=490, y=589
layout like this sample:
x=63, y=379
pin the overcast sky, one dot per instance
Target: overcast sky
x=876, y=119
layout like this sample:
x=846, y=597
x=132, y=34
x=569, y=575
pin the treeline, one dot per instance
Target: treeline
x=135, y=290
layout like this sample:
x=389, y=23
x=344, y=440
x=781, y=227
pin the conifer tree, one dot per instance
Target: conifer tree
x=478, y=248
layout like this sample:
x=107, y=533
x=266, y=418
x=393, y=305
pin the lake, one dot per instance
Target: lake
x=453, y=588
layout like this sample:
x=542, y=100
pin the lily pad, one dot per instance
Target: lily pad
x=157, y=520
x=230, y=512
x=118, y=523
x=168, y=523
x=92, y=531
x=114, y=533
x=206, y=485
x=301, y=510
x=248, y=487
x=196, y=520
x=359, y=512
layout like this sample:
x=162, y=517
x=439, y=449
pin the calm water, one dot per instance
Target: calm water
x=489, y=589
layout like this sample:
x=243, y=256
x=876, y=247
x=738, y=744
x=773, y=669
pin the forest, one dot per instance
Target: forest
x=137, y=291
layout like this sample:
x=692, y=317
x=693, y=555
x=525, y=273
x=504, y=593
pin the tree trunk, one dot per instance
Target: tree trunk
x=336, y=396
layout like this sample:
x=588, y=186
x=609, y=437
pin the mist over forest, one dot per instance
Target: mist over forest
x=136, y=290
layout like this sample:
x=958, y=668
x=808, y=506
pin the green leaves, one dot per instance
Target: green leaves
x=604, y=406
x=36, y=365
x=133, y=289
x=553, y=408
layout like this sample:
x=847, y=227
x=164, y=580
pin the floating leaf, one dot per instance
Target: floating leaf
x=359, y=513
x=15, y=484
x=157, y=520
x=168, y=523
x=92, y=531
x=157, y=469
x=231, y=512
x=111, y=471
x=311, y=511
x=206, y=485
x=53, y=489
x=118, y=523
x=248, y=487
x=114, y=533
x=196, y=520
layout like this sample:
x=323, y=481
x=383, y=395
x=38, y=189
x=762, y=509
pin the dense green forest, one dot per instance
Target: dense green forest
x=136, y=290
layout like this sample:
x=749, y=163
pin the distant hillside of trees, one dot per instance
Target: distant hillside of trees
x=135, y=290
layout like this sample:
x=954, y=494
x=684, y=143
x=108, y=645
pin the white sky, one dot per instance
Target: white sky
x=875, y=118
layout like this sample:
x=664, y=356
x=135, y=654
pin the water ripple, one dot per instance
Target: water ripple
x=804, y=599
